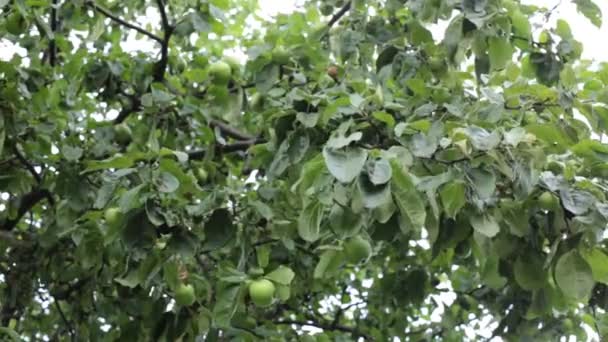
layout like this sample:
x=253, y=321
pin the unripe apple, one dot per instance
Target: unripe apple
x=122, y=132
x=280, y=55
x=220, y=72
x=111, y=215
x=357, y=249
x=257, y=102
x=261, y=292
x=547, y=201
x=184, y=295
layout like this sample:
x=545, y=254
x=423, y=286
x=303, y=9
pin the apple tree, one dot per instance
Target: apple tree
x=191, y=170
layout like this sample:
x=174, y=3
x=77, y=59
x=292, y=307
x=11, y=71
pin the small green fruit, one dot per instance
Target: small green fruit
x=235, y=65
x=122, y=133
x=261, y=292
x=257, y=102
x=184, y=295
x=111, y=215
x=16, y=24
x=202, y=174
x=357, y=249
x=280, y=55
x=547, y=201
x=220, y=72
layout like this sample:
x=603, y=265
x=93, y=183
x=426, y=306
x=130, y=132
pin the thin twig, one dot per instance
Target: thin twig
x=65, y=320
x=27, y=164
x=229, y=148
x=109, y=14
x=334, y=19
x=27, y=202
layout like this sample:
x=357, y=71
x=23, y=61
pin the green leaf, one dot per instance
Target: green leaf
x=485, y=225
x=345, y=164
x=598, y=261
x=378, y=171
x=577, y=201
x=117, y=162
x=167, y=182
x=406, y=196
x=574, y=276
x=453, y=198
x=500, y=52
x=373, y=196
x=309, y=222
x=529, y=272
x=282, y=275
x=344, y=221
x=329, y=262
x=590, y=10
x=219, y=229
x=226, y=296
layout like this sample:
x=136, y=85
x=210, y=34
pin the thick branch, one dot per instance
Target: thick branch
x=27, y=202
x=52, y=45
x=230, y=131
x=334, y=19
x=161, y=66
x=109, y=14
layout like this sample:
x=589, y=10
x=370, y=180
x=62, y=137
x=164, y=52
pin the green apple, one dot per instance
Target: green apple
x=220, y=72
x=261, y=292
x=235, y=65
x=111, y=215
x=16, y=24
x=357, y=249
x=257, y=102
x=202, y=174
x=547, y=201
x=122, y=133
x=184, y=295
x=280, y=55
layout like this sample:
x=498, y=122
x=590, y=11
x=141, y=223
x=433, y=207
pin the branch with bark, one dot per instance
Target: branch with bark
x=26, y=203
x=123, y=22
x=334, y=19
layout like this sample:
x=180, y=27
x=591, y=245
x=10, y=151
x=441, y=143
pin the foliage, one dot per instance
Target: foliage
x=129, y=177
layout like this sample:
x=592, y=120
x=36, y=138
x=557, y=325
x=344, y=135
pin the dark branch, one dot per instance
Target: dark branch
x=27, y=164
x=27, y=202
x=65, y=320
x=230, y=131
x=128, y=110
x=12, y=240
x=161, y=66
x=234, y=147
x=324, y=326
x=123, y=22
x=52, y=45
x=334, y=19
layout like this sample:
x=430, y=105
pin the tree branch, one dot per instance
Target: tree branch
x=230, y=131
x=324, y=326
x=65, y=320
x=161, y=66
x=54, y=24
x=12, y=240
x=27, y=202
x=334, y=19
x=109, y=14
x=27, y=164
x=229, y=148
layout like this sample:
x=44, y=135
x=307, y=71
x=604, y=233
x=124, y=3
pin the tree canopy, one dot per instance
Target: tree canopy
x=409, y=170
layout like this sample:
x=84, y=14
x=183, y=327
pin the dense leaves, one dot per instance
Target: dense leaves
x=190, y=170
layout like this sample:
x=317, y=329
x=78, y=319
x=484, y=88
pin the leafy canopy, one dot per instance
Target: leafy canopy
x=373, y=179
